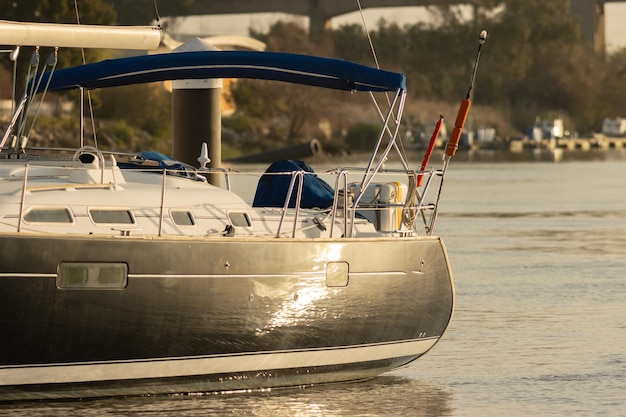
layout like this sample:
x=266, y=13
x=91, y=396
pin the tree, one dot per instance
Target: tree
x=145, y=106
x=535, y=62
x=142, y=12
x=350, y=42
x=287, y=110
x=536, y=53
x=288, y=36
x=613, y=87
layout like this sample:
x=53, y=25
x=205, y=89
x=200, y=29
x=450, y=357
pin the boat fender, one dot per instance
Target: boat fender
x=391, y=203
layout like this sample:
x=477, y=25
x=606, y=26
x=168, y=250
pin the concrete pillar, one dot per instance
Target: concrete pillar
x=197, y=116
x=590, y=16
x=599, y=38
x=319, y=22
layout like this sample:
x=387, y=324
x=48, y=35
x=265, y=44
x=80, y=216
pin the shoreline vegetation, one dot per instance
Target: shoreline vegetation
x=113, y=134
x=535, y=65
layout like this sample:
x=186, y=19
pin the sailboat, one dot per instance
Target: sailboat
x=132, y=274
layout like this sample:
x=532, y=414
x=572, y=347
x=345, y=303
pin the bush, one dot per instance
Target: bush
x=362, y=136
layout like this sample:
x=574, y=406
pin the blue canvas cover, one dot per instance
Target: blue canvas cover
x=171, y=165
x=164, y=162
x=279, y=66
x=272, y=188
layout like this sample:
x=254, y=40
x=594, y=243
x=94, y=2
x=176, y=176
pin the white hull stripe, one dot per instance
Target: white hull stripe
x=187, y=276
x=220, y=364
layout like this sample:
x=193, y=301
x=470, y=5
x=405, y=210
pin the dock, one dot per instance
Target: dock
x=597, y=142
x=597, y=146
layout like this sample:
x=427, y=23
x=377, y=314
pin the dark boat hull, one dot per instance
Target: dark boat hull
x=212, y=315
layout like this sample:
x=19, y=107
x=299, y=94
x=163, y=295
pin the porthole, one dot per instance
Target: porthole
x=92, y=275
x=337, y=274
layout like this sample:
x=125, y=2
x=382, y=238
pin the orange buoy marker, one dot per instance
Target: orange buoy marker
x=455, y=136
x=431, y=147
x=453, y=143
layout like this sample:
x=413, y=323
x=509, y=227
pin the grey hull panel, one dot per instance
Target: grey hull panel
x=215, y=305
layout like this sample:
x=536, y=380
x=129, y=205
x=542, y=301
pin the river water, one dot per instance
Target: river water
x=538, y=251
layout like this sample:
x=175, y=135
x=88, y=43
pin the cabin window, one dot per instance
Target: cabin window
x=109, y=216
x=183, y=218
x=49, y=215
x=92, y=275
x=239, y=219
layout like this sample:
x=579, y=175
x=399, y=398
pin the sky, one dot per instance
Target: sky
x=615, y=14
x=615, y=28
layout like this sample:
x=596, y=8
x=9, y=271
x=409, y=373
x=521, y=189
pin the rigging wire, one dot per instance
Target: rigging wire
x=32, y=64
x=367, y=32
x=93, y=122
x=399, y=146
x=52, y=63
x=156, y=12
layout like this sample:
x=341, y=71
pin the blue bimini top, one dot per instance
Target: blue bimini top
x=292, y=68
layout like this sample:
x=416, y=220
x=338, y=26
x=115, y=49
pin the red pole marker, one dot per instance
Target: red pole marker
x=431, y=147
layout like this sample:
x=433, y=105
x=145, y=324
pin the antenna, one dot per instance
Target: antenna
x=204, y=159
x=461, y=116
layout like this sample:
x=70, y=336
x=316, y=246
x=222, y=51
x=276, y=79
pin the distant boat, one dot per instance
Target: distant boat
x=614, y=126
x=130, y=274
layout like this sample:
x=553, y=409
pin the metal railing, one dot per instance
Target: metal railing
x=346, y=203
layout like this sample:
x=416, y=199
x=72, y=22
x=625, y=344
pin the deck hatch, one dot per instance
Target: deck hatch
x=92, y=275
